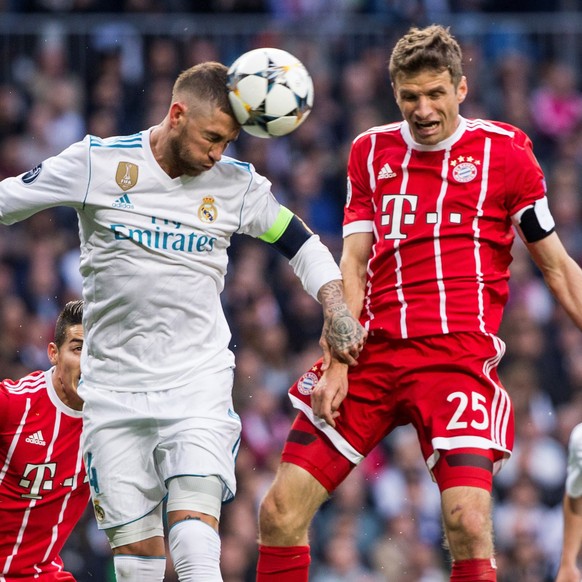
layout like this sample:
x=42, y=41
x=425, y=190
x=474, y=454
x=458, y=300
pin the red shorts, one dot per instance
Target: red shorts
x=446, y=386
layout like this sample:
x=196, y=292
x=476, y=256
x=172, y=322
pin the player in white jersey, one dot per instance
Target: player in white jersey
x=156, y=213
x=572, y=511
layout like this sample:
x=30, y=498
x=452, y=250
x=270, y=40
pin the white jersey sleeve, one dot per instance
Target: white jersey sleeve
x=58, y=181
x=260, y=209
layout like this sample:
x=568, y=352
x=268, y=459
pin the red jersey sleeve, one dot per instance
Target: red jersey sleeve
x=359, y=209
x=525, y=178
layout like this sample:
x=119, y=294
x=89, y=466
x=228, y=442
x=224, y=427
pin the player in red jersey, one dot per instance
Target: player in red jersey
x=428, y=229
x=43, y=488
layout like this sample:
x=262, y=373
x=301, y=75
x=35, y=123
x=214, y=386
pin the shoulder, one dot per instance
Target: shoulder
x=120, y=142
x=390, y=130
x=497, y=130
x=241, y=176
x=31, y=384
x=228, y=165
x=16, y=395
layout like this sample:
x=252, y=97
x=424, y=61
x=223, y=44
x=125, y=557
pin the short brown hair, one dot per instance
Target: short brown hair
x=72, y=314
x=206, y=82
x=432, y=47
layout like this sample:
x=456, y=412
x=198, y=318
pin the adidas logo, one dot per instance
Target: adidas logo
x=386, y=172
x=122, y=202
x=36, y=439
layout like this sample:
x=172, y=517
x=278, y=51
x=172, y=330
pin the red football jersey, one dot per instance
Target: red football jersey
x=43, y=488
x=442, y=223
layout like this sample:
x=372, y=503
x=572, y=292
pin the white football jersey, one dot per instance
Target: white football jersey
x=153, y=254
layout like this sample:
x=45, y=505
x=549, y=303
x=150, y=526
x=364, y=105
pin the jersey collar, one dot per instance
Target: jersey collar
x=58, y=403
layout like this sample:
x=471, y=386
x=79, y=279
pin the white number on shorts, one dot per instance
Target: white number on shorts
x=476, y=405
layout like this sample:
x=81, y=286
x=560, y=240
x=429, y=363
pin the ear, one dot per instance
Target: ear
x=462, y=89
x=53, y=353
x=177, y=113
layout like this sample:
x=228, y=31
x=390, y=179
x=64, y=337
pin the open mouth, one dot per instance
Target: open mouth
x=426, y=125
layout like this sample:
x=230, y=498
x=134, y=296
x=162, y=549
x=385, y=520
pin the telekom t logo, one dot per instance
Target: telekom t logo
x=403, y=208
x=38, y=478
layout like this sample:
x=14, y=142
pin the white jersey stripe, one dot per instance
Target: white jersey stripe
x=370, y=273
x=358, y=226
x=397, y=254
x=15, y=440
x=372, y=178
x=390, y=127
x=19, y=537
x=337, y=440
x=11, y=450
x=437, y=243
x=477, y=231
x=459, y=442
x=475, y=124
x=501, y=407
x=370, y=163
x=26, y=385
x=399, y=292
x=56, y=526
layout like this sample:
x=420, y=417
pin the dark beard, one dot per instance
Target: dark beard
x=179, y=162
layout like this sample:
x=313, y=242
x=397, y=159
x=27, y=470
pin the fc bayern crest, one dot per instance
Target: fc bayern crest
x=307, y=383
x=465, y=168
x=207, y=211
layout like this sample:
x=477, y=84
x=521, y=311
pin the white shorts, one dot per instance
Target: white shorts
x=134, y=442
x=574, y=474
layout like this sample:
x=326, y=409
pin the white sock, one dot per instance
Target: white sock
x=195, y=550
x=139, y=568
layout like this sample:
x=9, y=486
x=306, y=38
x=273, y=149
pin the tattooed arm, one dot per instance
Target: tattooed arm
x=343, y=301
x=330, y=391
x=342, y=336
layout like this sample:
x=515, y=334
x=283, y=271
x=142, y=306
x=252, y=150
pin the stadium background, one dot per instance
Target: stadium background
x=70, y=67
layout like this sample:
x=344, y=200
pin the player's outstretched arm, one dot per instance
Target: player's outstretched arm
x=561, y=273
x=355, y=255
x=342, y=336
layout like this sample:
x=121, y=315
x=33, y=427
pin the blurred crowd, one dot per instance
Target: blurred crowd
x=383, y=523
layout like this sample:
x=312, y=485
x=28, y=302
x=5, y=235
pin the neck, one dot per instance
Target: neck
x=67, y=395
x=159, y=146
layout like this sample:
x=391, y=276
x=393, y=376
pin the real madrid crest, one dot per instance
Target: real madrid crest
x=207, y=212
x=465, y=168
x=126, y=175
x=99, y=511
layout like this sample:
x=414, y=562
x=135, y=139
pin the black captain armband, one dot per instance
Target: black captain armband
x=288, y=234
x=535, y=221
x=308, y=256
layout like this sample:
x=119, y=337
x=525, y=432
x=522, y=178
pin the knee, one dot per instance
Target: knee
x=470, y=523
x=468, y=532
x=276, y=511
x=280, y=516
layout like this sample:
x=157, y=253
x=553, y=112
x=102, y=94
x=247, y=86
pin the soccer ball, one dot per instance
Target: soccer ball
x=270, y=91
